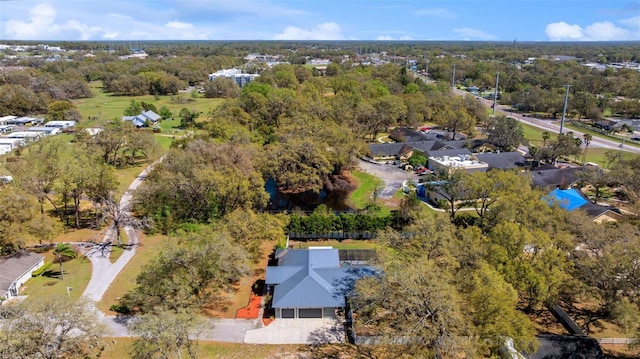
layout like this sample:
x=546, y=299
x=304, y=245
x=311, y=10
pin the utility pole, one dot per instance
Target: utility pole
x=564, y=108
x=495, y=94
x=453, y=78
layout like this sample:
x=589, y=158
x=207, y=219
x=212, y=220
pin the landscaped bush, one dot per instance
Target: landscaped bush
x=38, y=272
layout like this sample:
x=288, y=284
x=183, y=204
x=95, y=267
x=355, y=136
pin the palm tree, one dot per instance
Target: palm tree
x=545, y=137
x=63, y=252
x=587, y=141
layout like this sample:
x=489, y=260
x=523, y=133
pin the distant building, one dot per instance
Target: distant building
x=466, y=162
x=234, y=74
x=143, y=119
x=60, y=124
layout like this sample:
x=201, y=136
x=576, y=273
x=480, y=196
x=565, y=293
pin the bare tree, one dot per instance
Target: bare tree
x=118, y=215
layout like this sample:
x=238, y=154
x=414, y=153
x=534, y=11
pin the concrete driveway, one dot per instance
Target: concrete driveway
x=298, y=331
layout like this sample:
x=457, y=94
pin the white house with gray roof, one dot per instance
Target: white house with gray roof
x=311, y=283
x=16, y=270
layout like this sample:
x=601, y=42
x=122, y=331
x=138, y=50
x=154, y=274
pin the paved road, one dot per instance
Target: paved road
x=104, y=272
x=552, y=126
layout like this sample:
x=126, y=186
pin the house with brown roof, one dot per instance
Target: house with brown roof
x=16, y=270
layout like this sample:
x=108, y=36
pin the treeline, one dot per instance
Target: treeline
x=507, y=51
x=323, y=222
x=58, y=184
x=540, y=87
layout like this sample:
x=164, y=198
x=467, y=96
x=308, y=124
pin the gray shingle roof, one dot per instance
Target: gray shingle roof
x=555, y=177
x=503, y=160
x=15, y=267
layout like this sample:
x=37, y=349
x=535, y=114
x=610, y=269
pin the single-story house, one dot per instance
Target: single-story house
x=634, y=125
x=572, y=199
x=553, y=177
x=606, y=125
x=24, y=121
x=143, y=119
x=47, y=131
x=26, y=135
x=502, y=160
x=60, y=124
x=429, y=148
x=16, y=270
x=93, y=131
x=455, y=159
x=13, y=142
x=5, y=119
x=6, y=128
x=311, y=283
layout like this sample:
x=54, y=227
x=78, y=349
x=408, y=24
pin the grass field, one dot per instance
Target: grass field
x=125, y=281
x=77, y=273
x=366, y=185
x=120, y=348
x=104, y=106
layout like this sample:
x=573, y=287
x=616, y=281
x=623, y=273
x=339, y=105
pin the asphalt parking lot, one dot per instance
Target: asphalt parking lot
x=393, y=176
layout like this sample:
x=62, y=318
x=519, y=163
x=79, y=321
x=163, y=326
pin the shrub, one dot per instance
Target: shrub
x=38, y=272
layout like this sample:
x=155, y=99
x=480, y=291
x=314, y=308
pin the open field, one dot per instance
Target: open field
x=104, y=106
x=120, y=348
x=77, y=273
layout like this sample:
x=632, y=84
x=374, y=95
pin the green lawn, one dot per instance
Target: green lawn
x=77, y=273
x=119, y=348
x=532, y=134
x=125, y=281
x=361, y=197
x=104, y=106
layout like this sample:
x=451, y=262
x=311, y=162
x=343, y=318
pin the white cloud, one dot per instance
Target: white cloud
x=324, y=31
x=598, y=31
x=468, y=33
x=633, y=22
x=178, y=25
x=562, y=31
x=436, y=12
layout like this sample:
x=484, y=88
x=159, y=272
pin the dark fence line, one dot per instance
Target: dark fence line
x=338, y=235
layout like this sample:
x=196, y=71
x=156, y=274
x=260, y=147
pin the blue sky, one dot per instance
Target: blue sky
x=493, y=20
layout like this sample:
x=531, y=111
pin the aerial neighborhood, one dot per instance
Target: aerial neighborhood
x=319, y=199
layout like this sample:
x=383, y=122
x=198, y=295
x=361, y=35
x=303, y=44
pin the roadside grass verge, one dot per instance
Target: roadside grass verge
x=126, y=280
x=77, y=273
x=118, y=348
